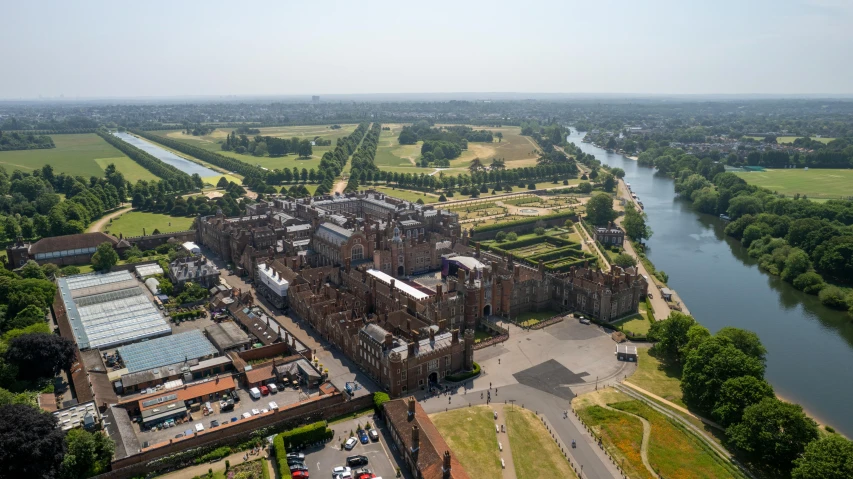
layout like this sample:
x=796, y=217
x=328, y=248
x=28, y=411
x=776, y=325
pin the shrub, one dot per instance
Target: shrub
x=810, y=283
x=442, y=198
x=281, y=456
x=833, y=297
x=465, y=375
x=379, y=399
x=500, y=237
x=315, y=432
x=214, y=455
x=662, y=276
x=511, y=236
x=539, y=231
x=524, y=221
x=531, y=186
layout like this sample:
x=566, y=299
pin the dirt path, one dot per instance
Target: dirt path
x=590, y=243
x=644, y=445
x=104, y=220
x=673, y=405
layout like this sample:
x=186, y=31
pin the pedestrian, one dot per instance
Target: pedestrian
x=490, y=385
x=481, y=395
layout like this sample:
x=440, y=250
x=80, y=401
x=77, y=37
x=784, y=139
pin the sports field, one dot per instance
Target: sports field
x=83, y=154
x=817, y=183
x=133, y=223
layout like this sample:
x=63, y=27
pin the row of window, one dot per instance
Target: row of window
x=70, y=252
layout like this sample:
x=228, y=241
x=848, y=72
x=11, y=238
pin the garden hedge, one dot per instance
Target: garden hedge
x=465, y=375
x=281, y=456
x=523, y=221
x=316, y=432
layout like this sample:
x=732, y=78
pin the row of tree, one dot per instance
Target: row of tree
x=28, y=141
x=267, y=145
x=723, y=377
x=174, y=178
x=362, y=159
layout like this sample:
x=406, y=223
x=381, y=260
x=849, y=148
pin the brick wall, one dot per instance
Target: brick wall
x=323, y=407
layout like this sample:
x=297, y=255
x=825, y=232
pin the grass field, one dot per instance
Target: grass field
x=790, y=139
x=407, y=195
x=534, y=453
x=84, y=154
x=133, y=222
x=636, y=323
x=818, y=183
x=622, y=434
x=533, y=317
x=654, y=377
x=470, y=433
x=674, y=452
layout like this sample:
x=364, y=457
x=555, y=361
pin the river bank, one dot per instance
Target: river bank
x=724, y=286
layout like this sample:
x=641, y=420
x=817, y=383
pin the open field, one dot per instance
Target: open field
x=622, y=434
x=818, y=183
x=638, y=324
x=133, y=222
x=673, y=451
x=82, y=154
x=517, y=150
x=470, y=433
x=790, y=139
x=654, y=377
x=534, y=453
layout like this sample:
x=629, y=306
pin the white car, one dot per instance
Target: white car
x=255, y=412
x=273, y=405
x=264, y=411
x=351, y=442
x=341, y=469
x=199, y=427
x=246, y=415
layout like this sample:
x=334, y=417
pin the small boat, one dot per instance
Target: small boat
x=641, y=205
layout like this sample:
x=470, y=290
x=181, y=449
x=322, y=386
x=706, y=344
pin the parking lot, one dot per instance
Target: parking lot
x=246, y=405
x=321, y=460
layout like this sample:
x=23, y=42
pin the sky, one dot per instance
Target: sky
x=99, y=49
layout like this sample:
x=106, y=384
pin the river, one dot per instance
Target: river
x=809, y=346
x=167, y=156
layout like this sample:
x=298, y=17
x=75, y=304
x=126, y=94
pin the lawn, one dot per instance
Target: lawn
x=407, y=195
x=656, y=378
x=133, y=223
x=818, y=183
x=673, y=451
x=638, y=324
x=622, y=434
x=531, y=318
x=470, y=433
x=83, y=154
x=534, y=453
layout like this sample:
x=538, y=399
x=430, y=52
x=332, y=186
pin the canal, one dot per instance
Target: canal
x=167, y=156
x=809, y=346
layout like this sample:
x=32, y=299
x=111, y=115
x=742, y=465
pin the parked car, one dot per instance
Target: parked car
x=363, y=436
x=298, y=467
x=255, y=412
x=226, y=406
x=235, y=396
x=584, y=321
x=273, y=388
x=247, y=415
x=273, y=405
x=255, y=393
x=297, y=455
x=214, y=423
x=340, y=470
x=233, y=419
x=264, y=390
x=351, y=442
x=199, y=427
x=355, y=461
x=294, y=460
x=299, y=474
x=179, y=436
x=374, y=435
x=188, y=432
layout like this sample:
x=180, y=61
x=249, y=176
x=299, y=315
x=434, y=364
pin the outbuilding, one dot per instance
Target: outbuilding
x=192, y=248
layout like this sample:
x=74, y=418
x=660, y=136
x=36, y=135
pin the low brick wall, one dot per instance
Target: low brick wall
x=547, y=322
x=323, y=407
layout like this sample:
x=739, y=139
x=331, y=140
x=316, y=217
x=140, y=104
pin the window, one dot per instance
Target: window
x=447, y=360
x=420, y=382
x=357, y=252
x=433, y=365
x=404, y=374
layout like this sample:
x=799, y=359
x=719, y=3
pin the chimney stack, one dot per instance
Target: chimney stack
x=411, y=406
x=446, y=469
x=388, y=340
x=439, y=292
x=416, y=438
x=455, y=334
x=431, y=335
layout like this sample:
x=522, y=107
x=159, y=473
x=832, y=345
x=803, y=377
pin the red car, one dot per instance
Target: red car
x=264, y=390
x=299, y=475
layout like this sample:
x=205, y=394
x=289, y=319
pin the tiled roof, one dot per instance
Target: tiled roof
x=260, y=373
x=70, y=242
x=431, y=445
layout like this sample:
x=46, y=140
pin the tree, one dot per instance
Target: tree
x=539, y=231
x=500, y=236
x=714, y=362
x=608, y=182
x=30, y=443
x=617, y=172
x=222, y=183
x=40, y=355
x=624, y=260
x=671, y=335
x=746, y=341
x=585, y=187
x=810, y=282
x=88, y=454
x=305, y=150
x=599, y=209
x=32, y=314
x=500, y=136
x=442, y=198
x=511, y=236
x=774, y=433
x=105, y=257
x=635, y=225
x=70, y=270
x=833, y=297
x=830, y=457
x=736, y=395
x=32, y=270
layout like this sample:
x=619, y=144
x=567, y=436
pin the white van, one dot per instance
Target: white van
x=273, y=405
x=273, y=388
x=255, y=393
x=199, y=427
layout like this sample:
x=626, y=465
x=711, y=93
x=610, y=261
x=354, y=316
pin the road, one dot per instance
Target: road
x=104, y=220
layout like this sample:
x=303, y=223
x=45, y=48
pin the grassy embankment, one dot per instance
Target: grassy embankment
x=84, y=154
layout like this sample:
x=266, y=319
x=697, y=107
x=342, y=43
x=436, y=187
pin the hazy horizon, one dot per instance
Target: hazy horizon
x=213, y=50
